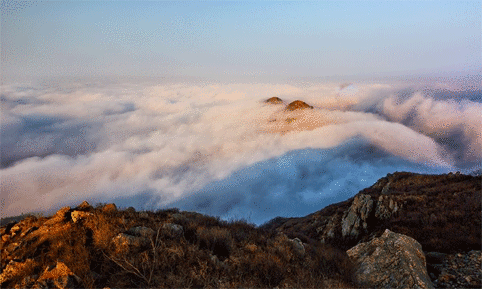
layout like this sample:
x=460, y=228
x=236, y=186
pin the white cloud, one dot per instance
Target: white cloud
x=212, y=147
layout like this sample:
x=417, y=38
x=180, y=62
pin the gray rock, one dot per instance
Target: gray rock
x=79, y=215
x=391, y=261
x=386, y=207
x=172, y=230
x=178, y=217
x=386, y=188
x=142, y=232
x=355, y=218
x=131, y=210
x=125, y=242
x=298, y=246
x=143, y=215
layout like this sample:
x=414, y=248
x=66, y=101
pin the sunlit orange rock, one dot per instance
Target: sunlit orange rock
x=274, y=100
x=298, y=104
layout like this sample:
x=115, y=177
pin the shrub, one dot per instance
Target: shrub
x=218, y=240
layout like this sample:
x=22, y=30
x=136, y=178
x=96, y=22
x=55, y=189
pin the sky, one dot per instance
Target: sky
x=156, y=104
x=222, y=39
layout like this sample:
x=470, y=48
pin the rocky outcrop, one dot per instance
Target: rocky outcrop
x=442, y=212
x=298, y=104
x=386, y=207
x=355, y=219
x=274, y=100
x=460, y=270
x=136, y=239
x=79, y=215
x=142, y=232
x=54, y=276
x=62, y=215
x=109, y=208
x=15, y=270
x=298, y=246
x=58, y=276
x=390, y=261
x=127, y=243
x=172, y=231
x=84, y=206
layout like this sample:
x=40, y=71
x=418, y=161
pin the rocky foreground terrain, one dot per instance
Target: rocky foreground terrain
x=405, y=231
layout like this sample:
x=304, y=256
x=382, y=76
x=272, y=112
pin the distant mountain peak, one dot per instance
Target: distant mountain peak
x=298, y=104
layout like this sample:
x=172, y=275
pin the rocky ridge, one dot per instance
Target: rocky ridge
x=407, y=230
x=294, y=105
x=441, y=212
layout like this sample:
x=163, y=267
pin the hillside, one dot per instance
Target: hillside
x=103, y=246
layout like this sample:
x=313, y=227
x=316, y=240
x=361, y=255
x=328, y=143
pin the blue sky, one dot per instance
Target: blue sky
x=317, y=39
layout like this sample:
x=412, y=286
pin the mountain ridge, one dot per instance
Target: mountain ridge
x=105, y=246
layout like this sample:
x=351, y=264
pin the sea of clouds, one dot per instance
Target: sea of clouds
x=216, y=148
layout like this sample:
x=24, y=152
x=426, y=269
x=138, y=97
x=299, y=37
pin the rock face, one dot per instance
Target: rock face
x=59, y=276
x=274, y=100
x=442, y=212
x=298, y=104
x=391, y=261
x=355, y=218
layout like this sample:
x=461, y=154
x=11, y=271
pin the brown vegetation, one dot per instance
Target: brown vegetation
x=107, y=247
x=208, y=252
x=442, y=212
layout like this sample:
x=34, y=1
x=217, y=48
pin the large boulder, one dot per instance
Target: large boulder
x=61, y=216
x=79, y=215
x=298, y=246
x=390, y=261
x=59, y=276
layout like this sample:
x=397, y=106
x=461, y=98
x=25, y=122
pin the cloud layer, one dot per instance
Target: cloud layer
x=218, y=149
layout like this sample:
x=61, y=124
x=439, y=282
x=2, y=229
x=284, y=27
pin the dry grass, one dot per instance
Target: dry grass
x=442, y=212
x=210, y=253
